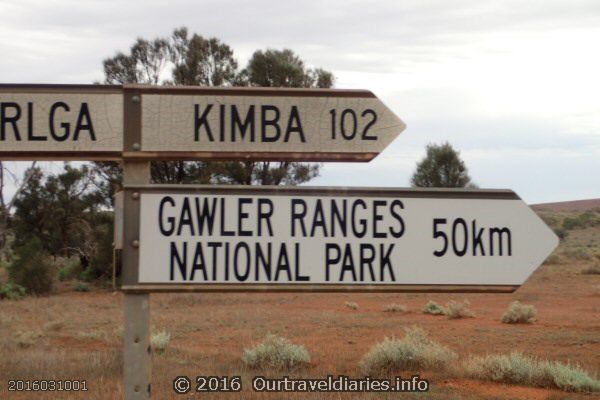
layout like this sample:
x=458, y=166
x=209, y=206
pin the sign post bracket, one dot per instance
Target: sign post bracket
x=137, y=352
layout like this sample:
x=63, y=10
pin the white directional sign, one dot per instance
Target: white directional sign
x=235, y=238
x=189, y=123
x=306, y=124
x=61, y=121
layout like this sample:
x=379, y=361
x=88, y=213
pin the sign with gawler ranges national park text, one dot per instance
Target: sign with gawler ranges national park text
x=328, y=239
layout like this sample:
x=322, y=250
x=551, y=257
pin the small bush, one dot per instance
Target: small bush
x=32, y=268
x=5, y=321
x=433, y=308
x=518, y=313
x=413, y=352
x=395, y=308
x=455, y=310
x=160, y=340
x=54, y=326
x=554, y=259
x=68, y=270
x=118, y=331
x=592, y=269
x=12, y=291
x=519, y=369
x=276, y=353
x=27, y=339
x=562, y=233
x=81, y=287
x=91, y=335
x=578, y=254
x=352, y=305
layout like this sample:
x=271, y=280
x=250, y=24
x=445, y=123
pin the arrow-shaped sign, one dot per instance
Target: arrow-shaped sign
x=190, y=123
x=278, y=238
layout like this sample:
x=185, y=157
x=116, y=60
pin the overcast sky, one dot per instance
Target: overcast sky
x=513, y=85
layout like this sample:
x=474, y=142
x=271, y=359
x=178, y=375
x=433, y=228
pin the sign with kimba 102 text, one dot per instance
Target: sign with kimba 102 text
x=187, y=123
x=333, y=238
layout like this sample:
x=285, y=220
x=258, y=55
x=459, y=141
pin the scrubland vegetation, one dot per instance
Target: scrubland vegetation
x=415, y=351
x=518, y=313
x=276, y=353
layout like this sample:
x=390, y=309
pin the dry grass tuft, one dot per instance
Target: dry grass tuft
x=395, y=308
x=276, y=353
x=593, y=269
x=518, y=313
x=160, y=340
x=455, y=310
x=414, y=351
x=38, y=362
x=91, y=335
x=433, y=308
x=54, y=326
x=26, y=339
x=519, y=369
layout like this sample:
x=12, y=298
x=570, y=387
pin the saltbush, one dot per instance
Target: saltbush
x=276, y=353
x=160, y=340
x=519, y=369
x=592, y=269
x=415, y=351
x=518, y=313
x=433, y=308
x=395, y=308
x=455, y=310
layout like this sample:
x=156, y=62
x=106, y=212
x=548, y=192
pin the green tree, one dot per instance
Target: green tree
x=198, y=61
x=441, y=168
x=31, y=268
x=275, y=68
x=64, y=213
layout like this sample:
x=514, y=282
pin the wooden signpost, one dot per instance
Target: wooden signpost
x=211, y=238
x=98, y=122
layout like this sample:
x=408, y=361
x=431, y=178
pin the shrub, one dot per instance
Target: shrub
x=68, y=270
x=101, y=260
x=554, y=259
x=5, y=320
x=81, y=287
x=32, y=268
x=519, y=369
x=592, y=269
x=12, y=291
x=518, y=313
x=455, y=310
x=91, y=335
x=414, y=352
x=27, y=339
x=276, y=353
x=395, y=308
x=433, y=308
x=578, y=253
x=562, y=233
x=160, y=340
x=54, y=326
x=570, y=223
x=352, y=305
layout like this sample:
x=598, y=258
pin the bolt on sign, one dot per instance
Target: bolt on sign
x=301, y=238
x=187, y=123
